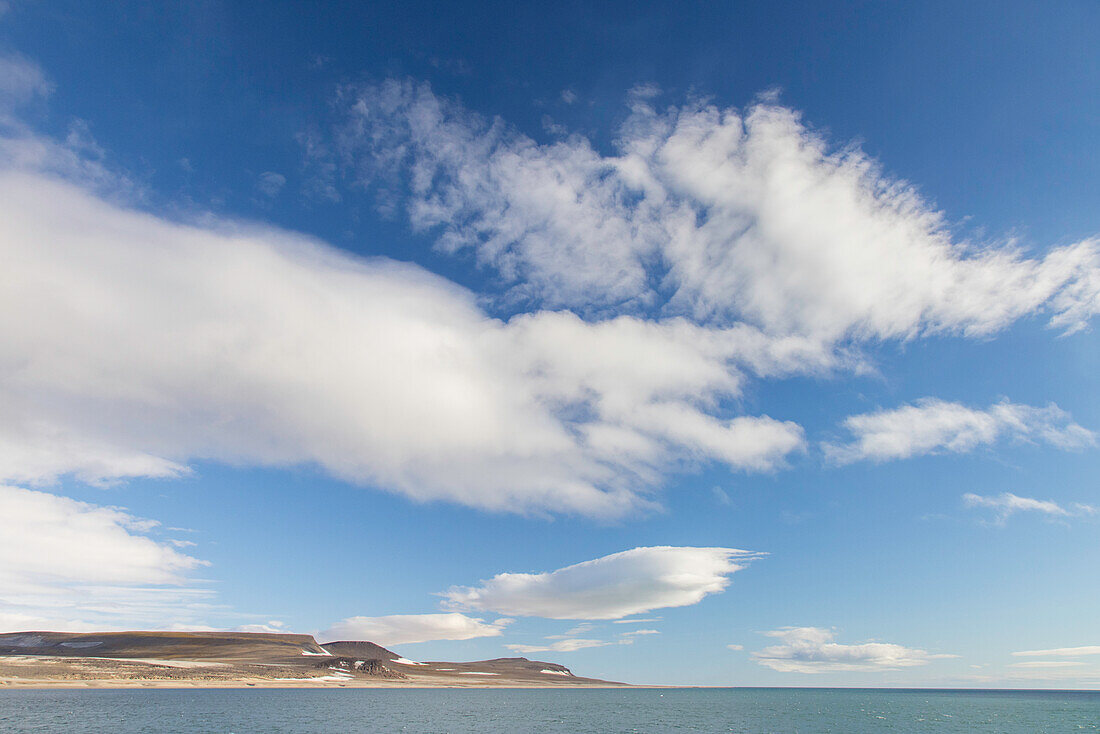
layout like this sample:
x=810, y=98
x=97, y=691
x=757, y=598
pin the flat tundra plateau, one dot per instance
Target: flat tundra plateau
x=240, y=660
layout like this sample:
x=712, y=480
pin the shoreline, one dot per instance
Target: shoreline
x=108, y=685
x=115, y=685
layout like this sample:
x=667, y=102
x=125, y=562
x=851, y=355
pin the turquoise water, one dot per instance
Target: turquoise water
x=491, y=711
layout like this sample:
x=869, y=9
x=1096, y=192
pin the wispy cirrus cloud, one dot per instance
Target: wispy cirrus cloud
x=1061, y=652
x=270, y=183
x=812, y=650
x=638, y=620
x=576, y=631
x=1078, y=666
x=571, y=645
x=931, y=426
x=1007, y=504
x=611, y=587
x=21, y=80
x=570, y=641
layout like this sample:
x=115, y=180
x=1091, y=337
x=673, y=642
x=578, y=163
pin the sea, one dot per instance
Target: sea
x=488, y=711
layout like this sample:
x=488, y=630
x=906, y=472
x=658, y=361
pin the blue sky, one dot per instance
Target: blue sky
x=778, y=318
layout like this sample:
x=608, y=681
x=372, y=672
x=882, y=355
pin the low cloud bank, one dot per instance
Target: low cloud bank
x=812, y=650
x=406, y=629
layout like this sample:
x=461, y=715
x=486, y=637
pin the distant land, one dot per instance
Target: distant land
x=245, y=659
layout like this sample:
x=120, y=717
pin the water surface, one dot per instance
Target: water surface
x=499, y=711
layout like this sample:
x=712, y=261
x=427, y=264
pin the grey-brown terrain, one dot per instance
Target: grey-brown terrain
x=230, y=659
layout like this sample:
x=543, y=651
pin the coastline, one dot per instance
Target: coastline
x=29, y=672
x=10, y=684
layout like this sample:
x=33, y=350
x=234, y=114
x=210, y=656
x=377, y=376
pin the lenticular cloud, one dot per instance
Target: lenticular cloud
x=610, y=587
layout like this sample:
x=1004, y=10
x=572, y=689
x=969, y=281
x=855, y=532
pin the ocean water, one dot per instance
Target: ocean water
x=491, y=711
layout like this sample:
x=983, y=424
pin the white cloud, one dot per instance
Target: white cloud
x=405, y=629
x=79, y=158
x=1067, y=652
x=235, y=338
x=614, y=586
x=572, y=639
x=560, y=646
x=273, y=626
x=1077, y=676
x=70, y=565
x=153, y=343
x=736, y=647
x=639, y=620
x=48, y=538
x=812, y=650
x=1007, y=504
x=935, y=426
x=712, y=213
x=21, y=80
x=271, y=183
x=580, y=629
x=81, y=141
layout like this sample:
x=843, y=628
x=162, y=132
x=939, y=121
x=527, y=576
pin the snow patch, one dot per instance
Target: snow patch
x=81, y=645
x=406, y=661
x=25, y=641
x=324, y=653
x=474, y=672
x=556, y=672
